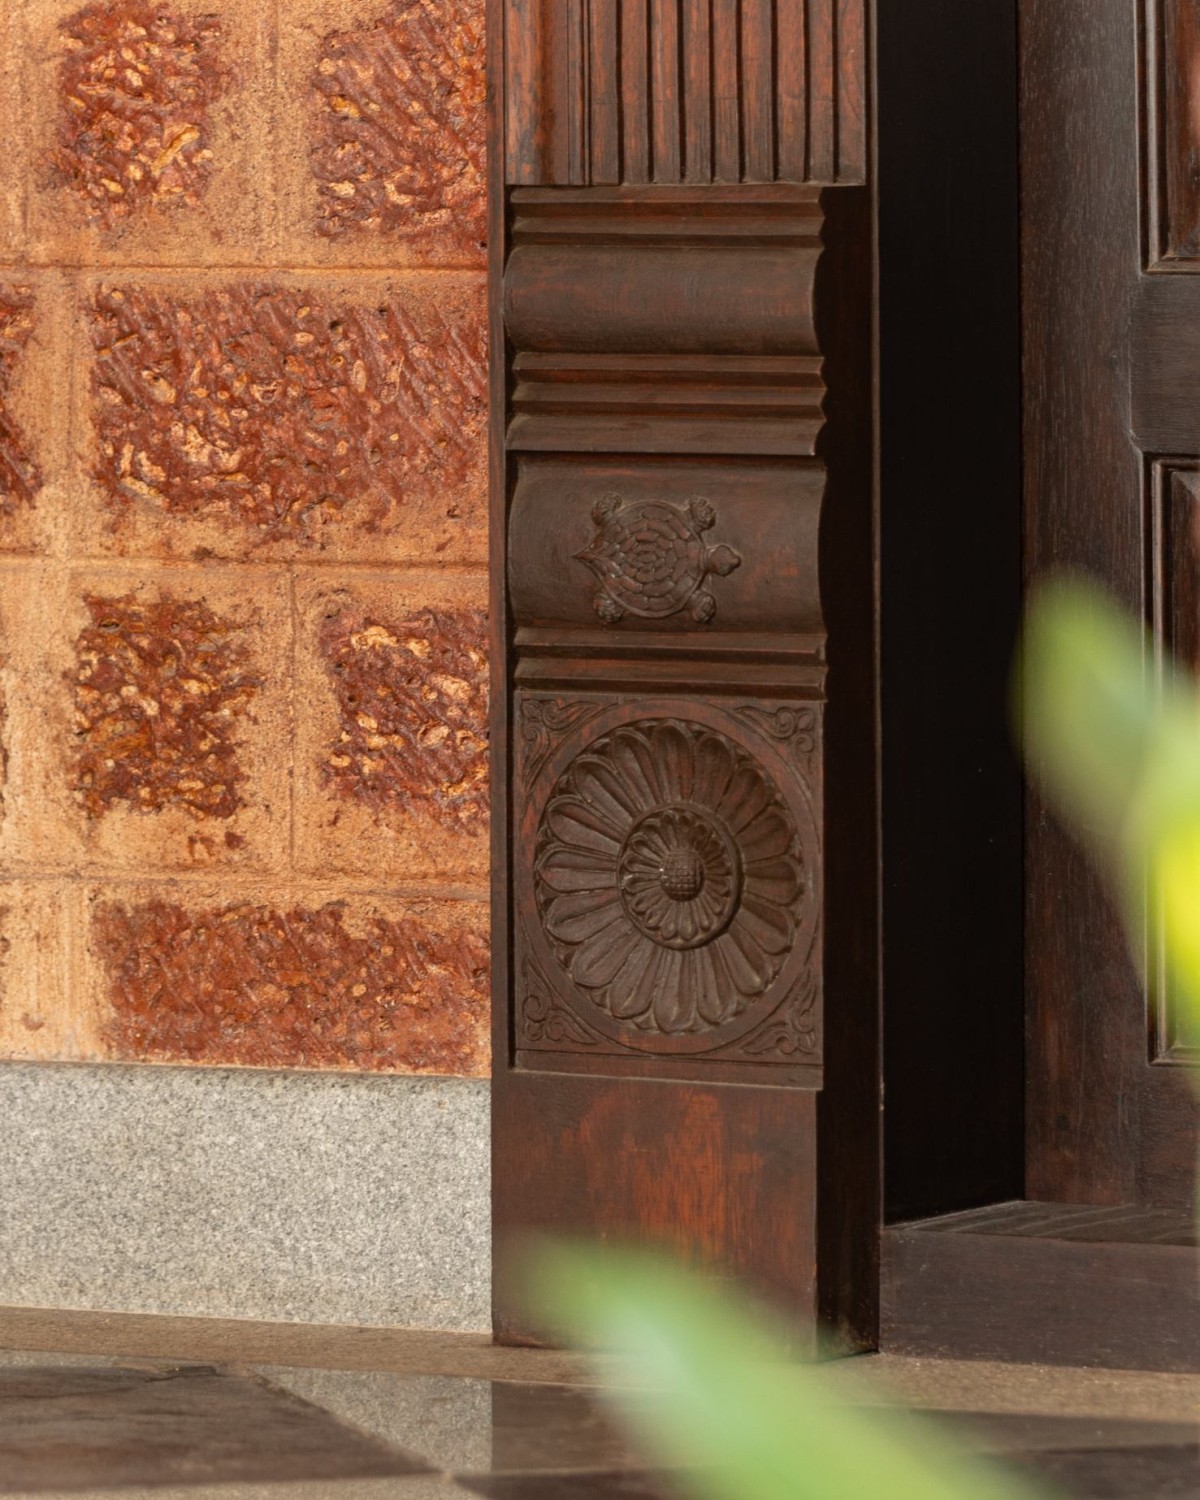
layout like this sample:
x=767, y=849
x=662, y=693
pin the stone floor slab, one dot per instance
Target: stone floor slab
x=65, y=1429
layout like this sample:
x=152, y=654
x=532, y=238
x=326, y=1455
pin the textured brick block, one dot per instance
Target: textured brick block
x=392, y=751
x=147, y=130
x=162, y=688
x=385, y=159
x=412, y=703
x=400, y=128
x=137, y=86
x=201, y=427
x=274, y=418
x=149, y=718
x=45, y=1008
x=292, y=980
x=3, y=746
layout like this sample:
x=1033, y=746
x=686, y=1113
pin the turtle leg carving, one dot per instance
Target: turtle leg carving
x=608, y=609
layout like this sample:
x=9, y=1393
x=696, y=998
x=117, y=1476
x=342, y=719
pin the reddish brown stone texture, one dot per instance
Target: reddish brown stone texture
x=135, y=94
x=412, y=701
x=400, y=131
x=210, y=773
x=302, y=987
x=159, y=690
x=20, y=476
x=3, y=750
x=407, y=802
x=275, y=410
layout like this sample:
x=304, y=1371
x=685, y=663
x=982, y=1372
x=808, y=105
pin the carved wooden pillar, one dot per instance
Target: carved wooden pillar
x=686, y=1027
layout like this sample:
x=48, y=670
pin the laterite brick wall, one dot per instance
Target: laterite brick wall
x=243, y=699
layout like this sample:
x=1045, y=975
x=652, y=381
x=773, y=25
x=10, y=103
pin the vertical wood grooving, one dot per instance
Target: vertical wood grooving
x=696, y=91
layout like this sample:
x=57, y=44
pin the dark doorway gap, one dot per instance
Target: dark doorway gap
x=951, y=575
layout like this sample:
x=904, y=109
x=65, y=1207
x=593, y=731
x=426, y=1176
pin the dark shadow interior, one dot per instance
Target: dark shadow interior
x=950, y=486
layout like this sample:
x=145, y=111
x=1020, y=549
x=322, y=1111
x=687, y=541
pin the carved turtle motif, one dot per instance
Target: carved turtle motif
x=651, y=560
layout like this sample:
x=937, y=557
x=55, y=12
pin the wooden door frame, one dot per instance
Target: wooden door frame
x=756, y=1160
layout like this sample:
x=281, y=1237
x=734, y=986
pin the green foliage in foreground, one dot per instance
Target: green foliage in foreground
x=1113, y=739
x=715, y=1398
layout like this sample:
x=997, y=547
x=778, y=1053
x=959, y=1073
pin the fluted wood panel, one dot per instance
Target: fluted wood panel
x=603, y=92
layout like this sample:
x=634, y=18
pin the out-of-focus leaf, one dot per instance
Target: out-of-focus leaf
x=1115, y=745
x=715, y=1399
x=1086, y=697
x=1177, y=890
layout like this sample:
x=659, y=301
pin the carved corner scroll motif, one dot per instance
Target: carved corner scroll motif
x=650, y=559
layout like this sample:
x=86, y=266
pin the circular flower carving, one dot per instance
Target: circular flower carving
x=668, y=876
x=680, y=877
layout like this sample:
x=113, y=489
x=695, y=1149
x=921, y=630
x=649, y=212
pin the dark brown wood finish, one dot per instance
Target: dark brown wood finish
x=1111, y=329
x=1173, y=45
x=1044, y=1284
x=602, y=92
x=684, y=627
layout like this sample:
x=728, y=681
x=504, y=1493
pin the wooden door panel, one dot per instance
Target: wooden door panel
x=683, y=615
x=1172, y=52
x=1112, y=325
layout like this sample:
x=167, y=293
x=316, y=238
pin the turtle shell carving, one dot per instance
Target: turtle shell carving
x=651, y=560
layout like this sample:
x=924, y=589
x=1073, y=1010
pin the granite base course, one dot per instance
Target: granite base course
x=283, y=1196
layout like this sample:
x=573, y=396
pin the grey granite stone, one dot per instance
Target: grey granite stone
x=446, y=1420
x=288, y=1196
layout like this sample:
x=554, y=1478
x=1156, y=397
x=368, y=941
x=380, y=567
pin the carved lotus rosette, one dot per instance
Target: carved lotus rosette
x=669, y=879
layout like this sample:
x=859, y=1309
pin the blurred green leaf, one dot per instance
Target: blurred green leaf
x=1087, y=700
x=1113, y=738
x=716, y=1399
x=1177, y=895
